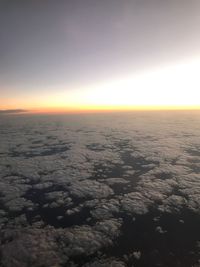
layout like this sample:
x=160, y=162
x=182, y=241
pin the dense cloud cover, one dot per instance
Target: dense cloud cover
x=121, y=190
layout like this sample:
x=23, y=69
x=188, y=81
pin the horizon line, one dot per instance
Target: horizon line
x=84, y=110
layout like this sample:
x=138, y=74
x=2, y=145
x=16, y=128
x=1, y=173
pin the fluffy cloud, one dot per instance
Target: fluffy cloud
x=72, y=189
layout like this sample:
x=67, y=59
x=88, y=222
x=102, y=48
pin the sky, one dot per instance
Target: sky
x=99, y=54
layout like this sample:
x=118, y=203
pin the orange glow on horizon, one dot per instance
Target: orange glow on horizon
x=173, y=87
x=103, y=109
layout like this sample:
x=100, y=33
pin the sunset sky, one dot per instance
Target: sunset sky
x=99, y=54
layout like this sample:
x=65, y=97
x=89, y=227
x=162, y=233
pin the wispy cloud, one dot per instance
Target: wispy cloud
x=12, y=111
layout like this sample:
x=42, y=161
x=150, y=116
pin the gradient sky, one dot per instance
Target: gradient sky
x=99, y=53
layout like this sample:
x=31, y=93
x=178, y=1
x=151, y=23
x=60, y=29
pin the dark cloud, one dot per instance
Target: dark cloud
x=12, y=111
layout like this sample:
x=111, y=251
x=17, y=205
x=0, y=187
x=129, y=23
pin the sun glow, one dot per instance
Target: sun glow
x=169, y=87
x=172, y=86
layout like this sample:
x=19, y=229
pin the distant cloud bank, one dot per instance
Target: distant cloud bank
x=12, y=111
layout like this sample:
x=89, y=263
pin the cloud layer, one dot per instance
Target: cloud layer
x=95, y=191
